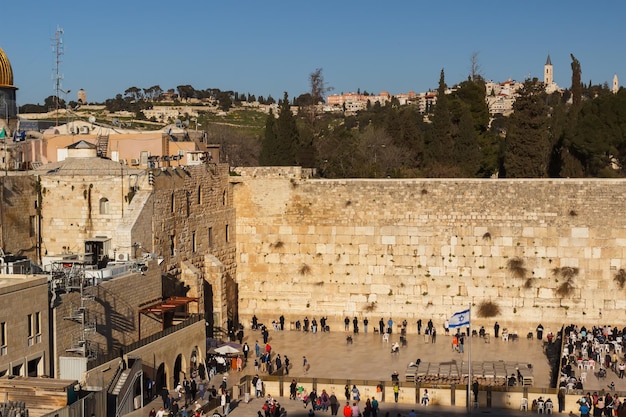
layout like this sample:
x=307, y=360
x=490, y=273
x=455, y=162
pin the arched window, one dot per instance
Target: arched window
x=104, y=205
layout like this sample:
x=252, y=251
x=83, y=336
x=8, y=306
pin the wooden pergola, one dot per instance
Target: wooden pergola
x=169, y=305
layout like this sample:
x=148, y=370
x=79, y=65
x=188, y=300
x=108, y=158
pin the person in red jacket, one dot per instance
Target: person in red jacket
x=347, y=410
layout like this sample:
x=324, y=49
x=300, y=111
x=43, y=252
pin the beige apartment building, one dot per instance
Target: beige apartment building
x=24, y=325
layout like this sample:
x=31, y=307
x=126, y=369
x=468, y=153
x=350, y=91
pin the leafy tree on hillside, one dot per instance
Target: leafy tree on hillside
x=225, y=100
x=282, y=138
x=152, y=93
x=599, y=138
x=576, y=83
x=269, y=147
x=134, y=93
x=466, y=150
x=186, y=91
x=528, y=142
x=439, y=145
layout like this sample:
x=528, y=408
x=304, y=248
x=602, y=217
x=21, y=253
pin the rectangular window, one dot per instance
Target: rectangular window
x=37, y=326
x=31, y=330
x=227, y=234
x=3, y=338
x=34, y=328
x=210, y=237
x=143, y=157
x=172, y=245
x=193, y=241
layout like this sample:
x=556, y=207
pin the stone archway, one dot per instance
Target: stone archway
x=160, y=379
x=178, y=369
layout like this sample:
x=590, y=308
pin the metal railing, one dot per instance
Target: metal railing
x=104, y=358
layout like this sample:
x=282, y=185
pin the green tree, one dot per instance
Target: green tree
x=269, y=147
x=576, y=83
x=282, y=139
x=440, y=143
x=528, y=141
x=466, y=149
x=225, y=100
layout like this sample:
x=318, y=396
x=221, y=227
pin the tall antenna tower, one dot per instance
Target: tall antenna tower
x=58, y=49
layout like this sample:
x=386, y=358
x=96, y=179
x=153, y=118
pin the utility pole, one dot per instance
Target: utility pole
x=57, y=48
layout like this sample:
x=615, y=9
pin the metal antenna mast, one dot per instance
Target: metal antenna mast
x=57, y=48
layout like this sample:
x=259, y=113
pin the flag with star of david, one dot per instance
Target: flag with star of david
x=459, y=319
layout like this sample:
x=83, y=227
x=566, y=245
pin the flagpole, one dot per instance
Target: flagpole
x=469, y=360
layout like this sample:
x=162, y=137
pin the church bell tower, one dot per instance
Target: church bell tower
x=548, y=76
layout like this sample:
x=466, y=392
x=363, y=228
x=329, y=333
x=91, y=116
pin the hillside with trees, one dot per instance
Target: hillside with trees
x=580, y=132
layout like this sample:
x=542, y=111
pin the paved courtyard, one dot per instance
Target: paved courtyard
x=369, y=358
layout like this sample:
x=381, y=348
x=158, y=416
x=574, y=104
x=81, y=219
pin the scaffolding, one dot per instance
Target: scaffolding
x=69, y=277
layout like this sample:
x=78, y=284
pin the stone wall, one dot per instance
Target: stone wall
x=115, y=310
x=192, y=216
x=186, y=203
x=24, y=299
x=72, y=211
x=18, y=215
x=541, y=250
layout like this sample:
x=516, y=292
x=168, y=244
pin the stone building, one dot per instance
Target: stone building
x=24, y=337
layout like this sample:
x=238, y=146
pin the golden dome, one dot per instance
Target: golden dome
x=6, y=72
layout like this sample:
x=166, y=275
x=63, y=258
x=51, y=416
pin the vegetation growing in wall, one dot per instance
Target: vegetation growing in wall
x=370, y=307
x=304, y=269
x=488, y=309
x=277, y=245
x=516, y=268
x=487, y=237
x=620, y=278
x=567, y=273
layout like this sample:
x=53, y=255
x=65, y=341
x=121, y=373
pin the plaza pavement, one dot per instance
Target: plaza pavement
x=369, y=358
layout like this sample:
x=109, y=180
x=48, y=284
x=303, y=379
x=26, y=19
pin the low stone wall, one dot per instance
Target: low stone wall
x=439, y=395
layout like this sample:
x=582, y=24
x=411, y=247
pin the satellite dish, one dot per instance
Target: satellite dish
x=115, y=121
x=186, y=123
x=177, y=122
x=92, y=119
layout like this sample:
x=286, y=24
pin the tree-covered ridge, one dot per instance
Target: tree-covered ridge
x=579, y=132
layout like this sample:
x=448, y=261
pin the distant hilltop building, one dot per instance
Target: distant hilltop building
x=499, y=96
x=548, y=78
x=615, y=84
x=82, y=96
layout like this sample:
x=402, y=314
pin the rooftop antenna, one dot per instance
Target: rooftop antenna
x=58, y=49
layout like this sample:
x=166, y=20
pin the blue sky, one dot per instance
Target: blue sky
x=269, y=47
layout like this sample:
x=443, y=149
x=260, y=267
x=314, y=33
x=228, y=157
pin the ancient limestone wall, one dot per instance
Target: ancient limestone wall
x=72, y=210
x=192, y=214
x=545, y=251
x=18, y=215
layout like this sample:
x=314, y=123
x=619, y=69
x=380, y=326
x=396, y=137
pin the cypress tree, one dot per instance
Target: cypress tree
x=528, y=144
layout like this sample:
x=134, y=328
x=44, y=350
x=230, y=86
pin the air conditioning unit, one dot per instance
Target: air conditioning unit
x=122, y=256
x=123, y=161
x=134, y=162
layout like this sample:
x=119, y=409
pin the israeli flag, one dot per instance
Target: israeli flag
x=460, y=319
